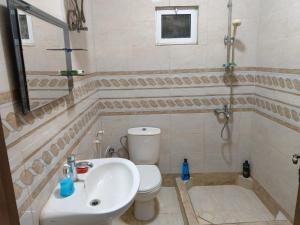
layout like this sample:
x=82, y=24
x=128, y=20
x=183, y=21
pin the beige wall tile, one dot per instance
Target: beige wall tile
x=278, y=29
x=272, y=165
x=185, y=136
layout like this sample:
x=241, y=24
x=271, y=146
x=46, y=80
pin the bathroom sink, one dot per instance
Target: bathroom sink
x=105, y=192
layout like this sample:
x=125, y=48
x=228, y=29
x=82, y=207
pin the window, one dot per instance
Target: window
x=176, y=26
x=26, y=31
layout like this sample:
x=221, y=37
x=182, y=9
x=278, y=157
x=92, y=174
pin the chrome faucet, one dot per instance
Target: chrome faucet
x=71, y=164
x=71, y=167
x=225, y=111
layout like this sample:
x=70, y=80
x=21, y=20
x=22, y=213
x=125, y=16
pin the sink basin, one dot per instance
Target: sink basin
x=105, y=192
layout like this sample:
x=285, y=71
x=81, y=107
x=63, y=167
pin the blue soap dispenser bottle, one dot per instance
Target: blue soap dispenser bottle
x=66, y=183
x=185, y=171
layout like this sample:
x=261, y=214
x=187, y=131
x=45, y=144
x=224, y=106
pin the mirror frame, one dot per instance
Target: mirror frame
x=13, y=6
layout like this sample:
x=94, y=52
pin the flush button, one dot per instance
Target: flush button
x=144, y=129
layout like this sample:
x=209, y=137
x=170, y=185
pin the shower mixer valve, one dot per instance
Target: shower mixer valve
x=296, y=158
x=225, y=111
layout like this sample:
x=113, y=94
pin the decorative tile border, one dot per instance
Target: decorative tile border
x=175, y=81
x=284, y=114
x=42, y=83
x=5, y=99
x=167, y=104
x=14, y=122
x=279, y=82
x=50, y=138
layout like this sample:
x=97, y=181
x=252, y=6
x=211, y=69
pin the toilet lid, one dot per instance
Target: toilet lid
x=150, y=177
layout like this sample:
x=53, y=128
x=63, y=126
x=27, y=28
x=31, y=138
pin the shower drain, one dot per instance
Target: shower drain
x=95, y=202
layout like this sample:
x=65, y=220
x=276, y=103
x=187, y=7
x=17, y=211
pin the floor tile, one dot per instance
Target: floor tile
x=227, y=204
x=169, y=211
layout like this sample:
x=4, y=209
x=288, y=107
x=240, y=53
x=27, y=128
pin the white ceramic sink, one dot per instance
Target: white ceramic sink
x=112, y=182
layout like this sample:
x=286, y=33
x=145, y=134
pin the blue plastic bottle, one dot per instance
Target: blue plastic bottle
x=185, y=171
x=66, y=185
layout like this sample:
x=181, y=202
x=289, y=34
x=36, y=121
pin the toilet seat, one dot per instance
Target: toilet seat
x=150, y=179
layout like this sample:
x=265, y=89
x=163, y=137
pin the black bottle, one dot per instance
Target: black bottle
x=246, y=169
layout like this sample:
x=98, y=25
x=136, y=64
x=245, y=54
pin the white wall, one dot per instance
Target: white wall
x=56, y=8
x=85, y=39
x=125, y=35
x=279, y=34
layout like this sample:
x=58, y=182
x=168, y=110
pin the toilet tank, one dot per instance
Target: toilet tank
x=144, y=145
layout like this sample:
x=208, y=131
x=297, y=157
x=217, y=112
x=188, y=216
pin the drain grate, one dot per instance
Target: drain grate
x=95, y=202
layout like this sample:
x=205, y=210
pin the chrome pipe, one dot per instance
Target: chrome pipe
x=98, y=148
x=71, y=164
x=229, y=35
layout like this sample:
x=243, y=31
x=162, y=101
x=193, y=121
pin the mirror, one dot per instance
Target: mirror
x=42, y=65
x=41, y=50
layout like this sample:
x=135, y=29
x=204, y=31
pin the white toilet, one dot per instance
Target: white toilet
x=144, y=146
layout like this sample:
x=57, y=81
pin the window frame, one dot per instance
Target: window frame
x=193, y=40
x=30, y=40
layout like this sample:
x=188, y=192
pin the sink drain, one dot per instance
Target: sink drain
x=95, y=202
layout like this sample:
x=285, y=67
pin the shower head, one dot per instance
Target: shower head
x=236, y=23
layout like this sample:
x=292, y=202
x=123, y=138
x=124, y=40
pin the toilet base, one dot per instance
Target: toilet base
x=144, y=210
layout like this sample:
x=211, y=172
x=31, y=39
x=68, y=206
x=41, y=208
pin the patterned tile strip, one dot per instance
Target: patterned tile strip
x=16, y=123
